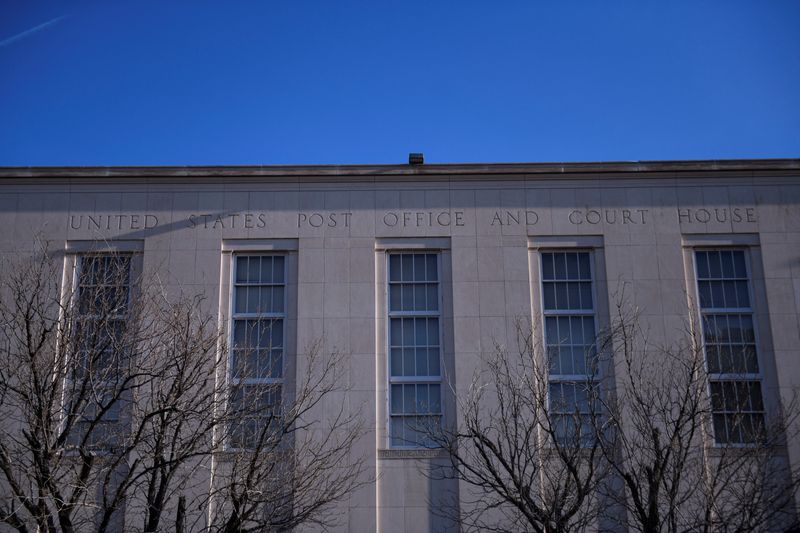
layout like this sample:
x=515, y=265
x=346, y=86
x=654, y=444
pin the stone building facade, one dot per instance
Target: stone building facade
x=459, y=251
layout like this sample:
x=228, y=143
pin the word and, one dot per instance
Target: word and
x=529, y=218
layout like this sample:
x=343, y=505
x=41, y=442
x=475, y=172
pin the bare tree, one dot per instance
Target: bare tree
x=111, y=392
x=171, y=418
x=659, y=440
x=644, y=455
x=529, y=462
x=66, y=377
x=285, y=455
x=107, y=394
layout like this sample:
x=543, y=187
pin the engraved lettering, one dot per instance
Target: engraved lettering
x=390, y=216
x=626, y=217
x=315, y=220
x=706, y=215
x=593, y=216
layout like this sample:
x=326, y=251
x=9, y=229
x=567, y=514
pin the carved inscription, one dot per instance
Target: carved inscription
x=109, y=222
x=411, y=219
x=717, y=214
x=518, y=218
x=230, y=220
x=608, y=216
x=421, y=219
x=329, y=220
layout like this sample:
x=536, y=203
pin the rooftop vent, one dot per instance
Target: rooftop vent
x=416, y=159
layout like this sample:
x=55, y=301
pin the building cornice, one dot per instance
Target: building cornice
x=616, y=169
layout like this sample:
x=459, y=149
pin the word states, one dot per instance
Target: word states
x=228, y=220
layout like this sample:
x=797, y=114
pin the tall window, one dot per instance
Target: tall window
x=723, y=287
x=257, y=347
x=570, y=342
x=414, y=348
x=99, y=329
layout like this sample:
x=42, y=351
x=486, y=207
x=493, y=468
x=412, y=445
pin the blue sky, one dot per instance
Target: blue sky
x=342, y=82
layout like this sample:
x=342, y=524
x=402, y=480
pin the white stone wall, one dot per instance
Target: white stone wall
x=488, y=226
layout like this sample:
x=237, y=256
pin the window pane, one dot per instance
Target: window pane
x=739, y=268
x=726, y=258
x=433, y=297
x=394, y=297
x=278, y=269
x=396, y=332
x=432, y=268
x=702, y=265
x=397, y=399
x=435, y=399
x=572, y=266
x=549, y=295
x=742, y=294
x=407, y=297
x=407, y=269
x=583, y=265
x=409, y=359
x=394, y=267
x=562, y=300
x=547, y=267
x=278, y=303
x=421, y=362
x=396, y=361
x=420, y=332
x=433, y=362
x=433, y=331
x=714, y=265
x=419, y=267
x=253, y=270
x=420, y=298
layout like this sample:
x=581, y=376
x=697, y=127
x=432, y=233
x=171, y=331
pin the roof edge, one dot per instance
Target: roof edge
x=617, y=167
